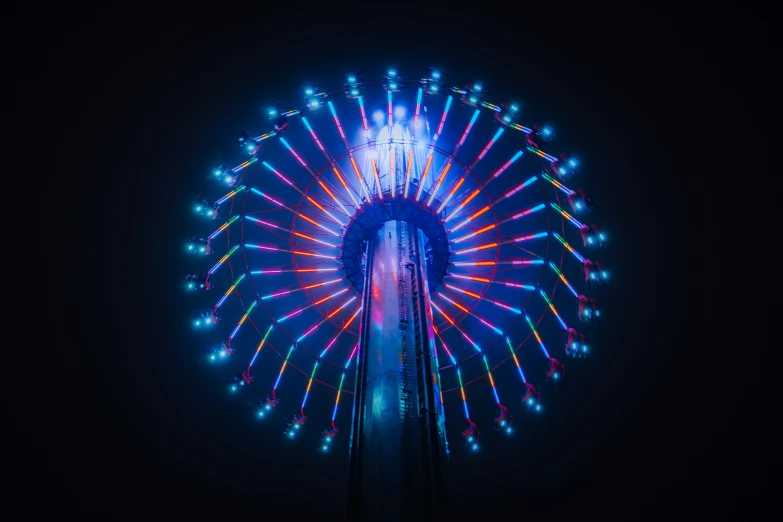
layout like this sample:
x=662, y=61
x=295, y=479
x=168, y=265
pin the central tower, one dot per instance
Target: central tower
x=395, y=251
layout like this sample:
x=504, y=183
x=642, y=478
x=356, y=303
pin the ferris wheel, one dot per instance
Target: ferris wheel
x=511, y=252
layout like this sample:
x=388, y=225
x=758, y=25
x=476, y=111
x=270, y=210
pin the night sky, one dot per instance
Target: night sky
x=122, y=418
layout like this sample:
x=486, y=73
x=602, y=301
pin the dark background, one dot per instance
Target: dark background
x=113, y=416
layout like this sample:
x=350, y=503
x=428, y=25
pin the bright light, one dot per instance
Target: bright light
x=366, y=133
x=546, y=131
x=435, y=74
x=351, y=79
x=308, y=91
x=572, y=163
x=472, y=99
x=314, y=103
x=392, y=73
x=399, y=112
x=378, y=116
x=514, y=107
x=354, y=92
x=393, y=86
x=434, y=88
x=477, y=87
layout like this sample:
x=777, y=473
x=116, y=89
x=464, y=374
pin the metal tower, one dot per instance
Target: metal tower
x=395, y=251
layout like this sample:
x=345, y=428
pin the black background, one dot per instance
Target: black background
x=116, y=116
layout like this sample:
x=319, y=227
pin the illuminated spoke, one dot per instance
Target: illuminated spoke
x=459, y=374
x=476, y=347
x=320, y=179
x=520, y=239
x=335, y=167
x=300, y=191
x=302, y=337
x=484, y=185
x=470, y=168
x=228, y=292
x=281, y=293
x=495, y=302
x=446, y=167
x=271, y=248
x=223, y=259
x=323, y=354
x=492, y=226
x=342, y=380
x=428, y=163
x=275, y=226
x=283, y=205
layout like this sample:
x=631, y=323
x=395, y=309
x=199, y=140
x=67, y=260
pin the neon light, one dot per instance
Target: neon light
x=416, y=113
x=228, y=292
x=342, y=379
x=244, y=165
x=350, y=154
x=488, y=146
x=519, y=187
x=323, y=353
x=299, y=252
x=230, y=195
x=499, y=304
x=475, y=347
x=494, y=176
x=302, y=309
x=328, y=156
x=242, y=321
x=538, y=337
x=451, y=193
x=439, y=182
x=377, y=178
x=468, y=220
x=282, y=205
x=473, y=234
x=260, y=346
x=364, y=115
x=569, y=247
x=280, y=227
x=408, y=169
x=566, y=215
x=223, y=260
x=498, y=263
x=554, y=311
x=322, y=321
x=424, y=176
x=312, y=173
x=563, y=279
x=293, y=270
x=557, y=184
x=223, y=227
x=300, y=289
x=476, y=249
